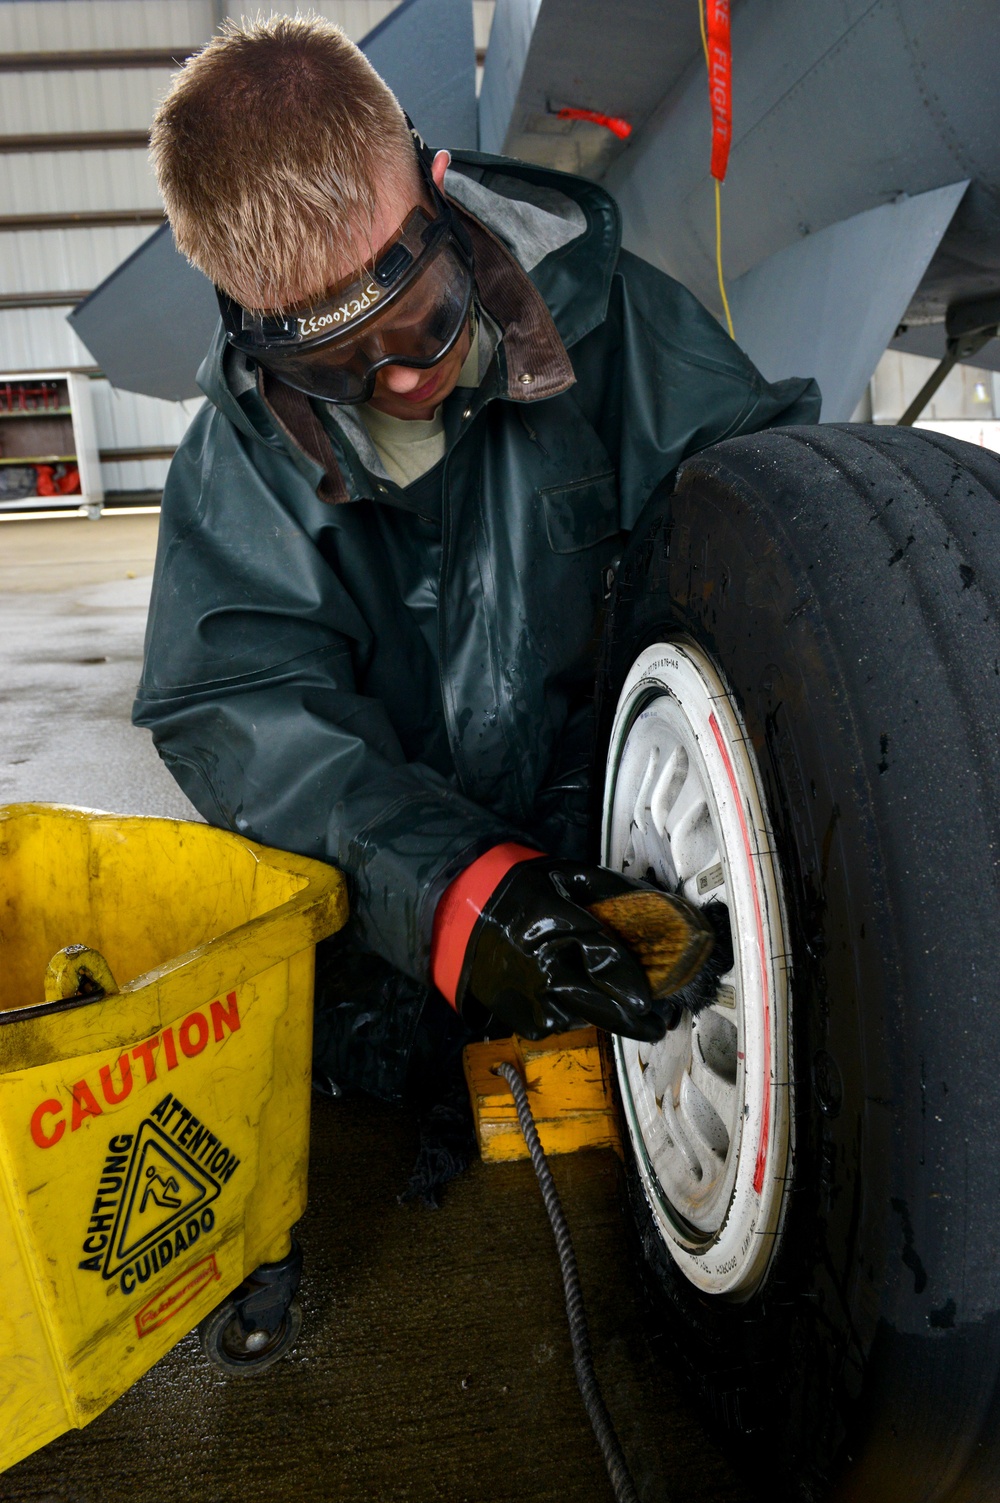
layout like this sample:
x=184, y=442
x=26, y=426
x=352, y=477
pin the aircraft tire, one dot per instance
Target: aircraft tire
x=803, y=654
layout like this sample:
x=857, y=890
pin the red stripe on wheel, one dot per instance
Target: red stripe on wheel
x=765, y=1125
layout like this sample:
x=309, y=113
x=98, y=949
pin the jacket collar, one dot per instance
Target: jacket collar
x=535, y=360
x=545, y=247
x=518, y=202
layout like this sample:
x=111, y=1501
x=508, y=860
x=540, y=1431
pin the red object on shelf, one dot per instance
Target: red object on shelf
x=613, y=123
x=23, y=397
x=57, y=480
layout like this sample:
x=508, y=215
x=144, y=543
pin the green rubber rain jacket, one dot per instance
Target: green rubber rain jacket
x=394, y=685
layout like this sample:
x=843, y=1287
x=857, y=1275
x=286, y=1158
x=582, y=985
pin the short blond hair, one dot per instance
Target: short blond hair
x=270, y=150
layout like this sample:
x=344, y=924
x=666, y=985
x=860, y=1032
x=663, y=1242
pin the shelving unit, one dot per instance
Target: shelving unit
x=47, y=418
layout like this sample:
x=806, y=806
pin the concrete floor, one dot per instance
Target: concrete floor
x=73, y=600
x=434, y=1361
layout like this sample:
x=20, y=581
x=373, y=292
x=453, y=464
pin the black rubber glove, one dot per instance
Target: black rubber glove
x=542, y=964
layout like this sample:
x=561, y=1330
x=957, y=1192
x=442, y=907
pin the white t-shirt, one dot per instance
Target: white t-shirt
x=409, y=447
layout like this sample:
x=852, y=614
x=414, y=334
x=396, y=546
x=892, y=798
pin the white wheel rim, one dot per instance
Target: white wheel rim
x=707, y=1109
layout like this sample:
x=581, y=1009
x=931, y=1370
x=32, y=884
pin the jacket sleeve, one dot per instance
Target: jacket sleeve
x=250, y=690
x=672, y=382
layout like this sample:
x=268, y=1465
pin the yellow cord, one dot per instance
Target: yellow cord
x=718, y=191
x=718, y=256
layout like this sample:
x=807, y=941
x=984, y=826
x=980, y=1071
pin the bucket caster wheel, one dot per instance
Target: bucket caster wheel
x=259, y=1322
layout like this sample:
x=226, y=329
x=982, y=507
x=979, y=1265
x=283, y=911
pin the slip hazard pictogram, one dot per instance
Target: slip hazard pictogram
x=163, y=1186
x=154, y=1197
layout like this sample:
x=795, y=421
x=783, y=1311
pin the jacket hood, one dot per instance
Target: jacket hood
x=574, y=278
x=512, y=199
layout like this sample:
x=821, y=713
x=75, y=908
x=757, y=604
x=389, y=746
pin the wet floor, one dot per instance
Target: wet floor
x=433, y=1364
x=434, y=1360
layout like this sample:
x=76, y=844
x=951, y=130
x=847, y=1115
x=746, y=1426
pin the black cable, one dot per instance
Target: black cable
x=583, y=1361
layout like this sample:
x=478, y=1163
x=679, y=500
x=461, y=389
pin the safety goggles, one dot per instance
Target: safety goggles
x=409, y=309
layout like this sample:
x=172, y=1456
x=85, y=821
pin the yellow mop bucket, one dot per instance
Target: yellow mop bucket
x=156, y=984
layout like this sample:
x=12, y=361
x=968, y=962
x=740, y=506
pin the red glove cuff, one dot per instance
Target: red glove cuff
x=462, y=901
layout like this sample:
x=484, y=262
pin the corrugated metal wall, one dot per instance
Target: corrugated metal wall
x=43, y=261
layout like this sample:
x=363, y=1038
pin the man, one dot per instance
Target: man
x=440, y=397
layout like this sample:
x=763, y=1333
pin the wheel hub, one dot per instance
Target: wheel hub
x=707, y=1107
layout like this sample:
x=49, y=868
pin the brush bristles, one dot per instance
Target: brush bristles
x=703, y=989
x=666, y=934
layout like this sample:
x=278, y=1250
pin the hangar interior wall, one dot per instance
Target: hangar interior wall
x=72, y=208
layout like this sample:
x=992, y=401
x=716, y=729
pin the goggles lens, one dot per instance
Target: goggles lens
x=409, y=310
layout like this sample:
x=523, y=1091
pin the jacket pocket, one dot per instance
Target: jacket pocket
x=581, y=514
